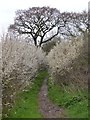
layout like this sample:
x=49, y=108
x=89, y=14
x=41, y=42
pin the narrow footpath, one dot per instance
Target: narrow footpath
x=47, y=108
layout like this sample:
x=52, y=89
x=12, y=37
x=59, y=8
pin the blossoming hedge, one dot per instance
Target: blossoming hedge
x=20, y=63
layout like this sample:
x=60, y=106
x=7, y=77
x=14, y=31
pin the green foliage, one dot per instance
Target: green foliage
x=26, y=105
x=75, y=102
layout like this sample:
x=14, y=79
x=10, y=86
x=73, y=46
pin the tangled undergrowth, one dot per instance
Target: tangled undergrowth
x=74, y=102
x=68, y=62
x=26, y=105
x=68, y=82
x=20, y=62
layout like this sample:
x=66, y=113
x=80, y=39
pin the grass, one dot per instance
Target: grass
x=74, y=102
x=26, y=105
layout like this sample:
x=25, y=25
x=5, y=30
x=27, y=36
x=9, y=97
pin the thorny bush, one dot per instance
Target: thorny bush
x=20, y=63
x=68, y=62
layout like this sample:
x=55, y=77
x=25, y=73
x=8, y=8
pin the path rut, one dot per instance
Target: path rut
x=47, y=108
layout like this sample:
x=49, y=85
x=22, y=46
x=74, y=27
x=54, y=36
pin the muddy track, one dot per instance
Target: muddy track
x=47, y=108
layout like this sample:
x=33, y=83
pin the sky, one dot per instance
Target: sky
x=8, y=8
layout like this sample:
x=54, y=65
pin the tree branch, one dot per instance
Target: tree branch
x=51, y=37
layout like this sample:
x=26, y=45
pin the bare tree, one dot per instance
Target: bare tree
x=75, y=23
x=37, y=22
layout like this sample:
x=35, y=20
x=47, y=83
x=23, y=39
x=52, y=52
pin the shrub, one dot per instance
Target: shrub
x=68, y=62
x=48, y=46
x=20, y=63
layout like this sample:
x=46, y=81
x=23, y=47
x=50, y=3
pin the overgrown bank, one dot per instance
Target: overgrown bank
x=68, y=84
x=20, y=63
x=26, y=105
x=75, y=102
x=67, y=63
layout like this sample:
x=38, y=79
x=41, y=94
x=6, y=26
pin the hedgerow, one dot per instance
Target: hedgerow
x=68, y=62
x=20, y=63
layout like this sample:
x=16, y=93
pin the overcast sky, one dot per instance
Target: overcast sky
x=8, y=8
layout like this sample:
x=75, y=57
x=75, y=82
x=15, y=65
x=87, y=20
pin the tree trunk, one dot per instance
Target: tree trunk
x=35, y=41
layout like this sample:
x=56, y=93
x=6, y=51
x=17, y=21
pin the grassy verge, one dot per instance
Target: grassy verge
x=74, y=102
x=26, y=105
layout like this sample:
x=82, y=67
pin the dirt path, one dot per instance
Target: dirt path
x=47, y=108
